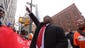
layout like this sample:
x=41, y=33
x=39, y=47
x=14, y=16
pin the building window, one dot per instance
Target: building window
x=76, y=17
x=67, y=17
x=68, y=21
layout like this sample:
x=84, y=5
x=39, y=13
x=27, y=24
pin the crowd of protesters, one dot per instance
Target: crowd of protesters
x=8, y=36
x=47, y=35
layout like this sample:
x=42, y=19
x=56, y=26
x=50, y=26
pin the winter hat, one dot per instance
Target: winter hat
x=9, y=24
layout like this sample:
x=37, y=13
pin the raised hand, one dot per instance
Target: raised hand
x=28, y=10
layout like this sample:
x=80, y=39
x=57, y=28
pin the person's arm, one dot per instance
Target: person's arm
x=32, y=16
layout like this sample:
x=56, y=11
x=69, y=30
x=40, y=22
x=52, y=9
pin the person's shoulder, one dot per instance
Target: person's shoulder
x=42, y=23
x=56, y=26
x=77, y=33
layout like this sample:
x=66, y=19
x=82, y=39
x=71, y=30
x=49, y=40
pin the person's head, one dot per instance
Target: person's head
x=2, y=12
x=24, y=33
x=81, y=24
x=47, y=19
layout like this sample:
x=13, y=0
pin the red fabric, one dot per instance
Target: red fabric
x=39, y=40
x=27, y=43
x=10, y=39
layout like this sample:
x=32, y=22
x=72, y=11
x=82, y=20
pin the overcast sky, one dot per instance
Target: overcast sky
x=50, y=7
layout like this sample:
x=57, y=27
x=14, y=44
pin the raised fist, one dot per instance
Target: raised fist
x=28, y=10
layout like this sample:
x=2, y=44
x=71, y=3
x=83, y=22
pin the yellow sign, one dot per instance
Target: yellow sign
x=24, y=21
x=20, y=19
x=27, y=22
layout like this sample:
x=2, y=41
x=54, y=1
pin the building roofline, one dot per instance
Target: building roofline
x=66, y=9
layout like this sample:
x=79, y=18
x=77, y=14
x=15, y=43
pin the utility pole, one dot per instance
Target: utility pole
x=36, y=8
x=30, y=26
x=31, y=5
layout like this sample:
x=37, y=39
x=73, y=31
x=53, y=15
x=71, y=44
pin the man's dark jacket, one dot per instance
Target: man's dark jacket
x=54, y=36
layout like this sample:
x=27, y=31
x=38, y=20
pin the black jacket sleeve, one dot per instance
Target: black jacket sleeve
x=36, y=21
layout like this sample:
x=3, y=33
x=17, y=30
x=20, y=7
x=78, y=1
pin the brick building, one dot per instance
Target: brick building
x=67, y=18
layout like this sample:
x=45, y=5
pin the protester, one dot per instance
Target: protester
x=8, y=38
x=47, y=35
x=79, y=36
x=70, y=37
x=24, y=34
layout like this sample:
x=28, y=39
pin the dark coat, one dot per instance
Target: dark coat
x=70, y=36
x=54, y=36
